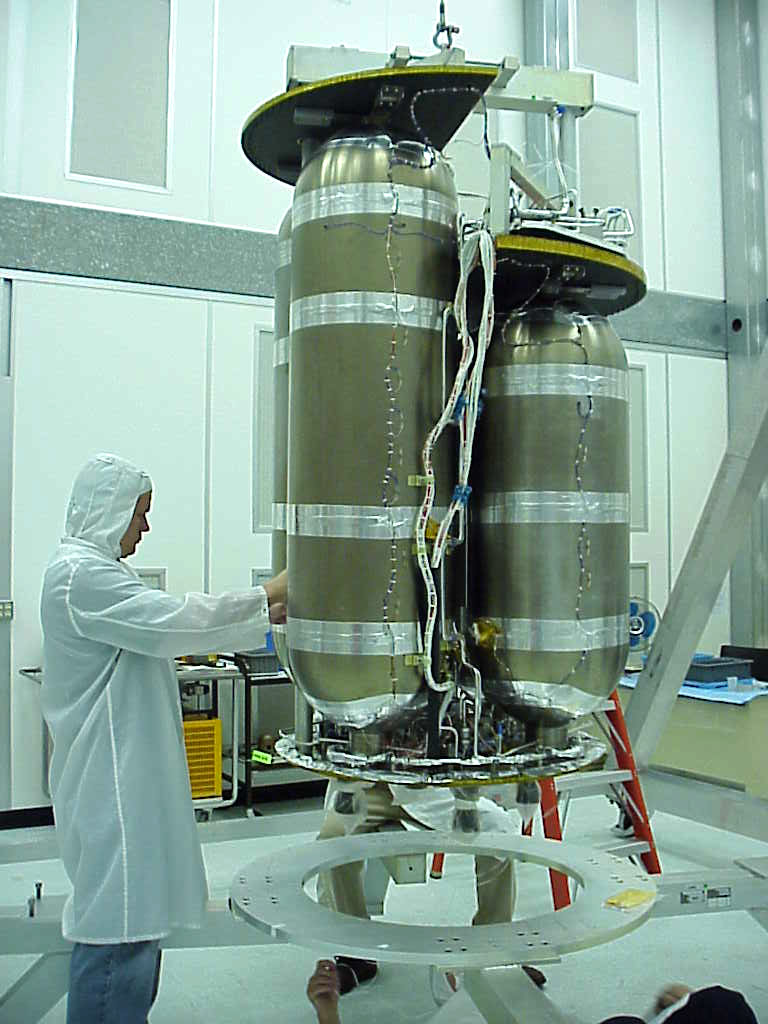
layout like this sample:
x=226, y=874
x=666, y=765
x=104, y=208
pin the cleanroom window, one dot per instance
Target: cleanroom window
x=607, y=37
x=638, y=580
x=120, y=91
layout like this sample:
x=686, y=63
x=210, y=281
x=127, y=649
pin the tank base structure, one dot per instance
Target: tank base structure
x=331, y=756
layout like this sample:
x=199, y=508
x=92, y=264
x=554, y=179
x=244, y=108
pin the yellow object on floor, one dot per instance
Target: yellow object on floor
x=202, y=739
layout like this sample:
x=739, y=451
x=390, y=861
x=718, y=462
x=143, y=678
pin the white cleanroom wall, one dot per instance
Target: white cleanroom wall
x=227, y=58
x=164, y=380
x=649, y=475
x=99, y=370
x=678, y=434
x=236, y=392
x=248, y=74
x=619, y=141
x=698, y=431
x=762, y=39
x=673, y=111
x=44, y=58
x=690, y=134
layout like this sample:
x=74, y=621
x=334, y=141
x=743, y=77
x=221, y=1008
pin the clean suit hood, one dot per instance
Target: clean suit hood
x=103, y=500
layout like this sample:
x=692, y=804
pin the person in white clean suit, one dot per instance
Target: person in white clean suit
x=121, y=795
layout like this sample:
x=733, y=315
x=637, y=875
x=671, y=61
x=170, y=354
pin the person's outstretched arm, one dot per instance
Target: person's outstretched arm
x=323, y=992
x=107, y=604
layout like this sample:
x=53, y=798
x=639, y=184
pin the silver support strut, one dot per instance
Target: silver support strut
x=718, y=537
x=508, y=996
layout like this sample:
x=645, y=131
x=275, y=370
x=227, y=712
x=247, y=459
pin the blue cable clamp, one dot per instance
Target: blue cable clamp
x=458, y=409
x=461, y=494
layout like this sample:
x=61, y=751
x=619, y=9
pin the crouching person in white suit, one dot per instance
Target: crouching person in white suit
x=122, y=802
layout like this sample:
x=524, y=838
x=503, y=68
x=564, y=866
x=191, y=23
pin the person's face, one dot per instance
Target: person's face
x=137, y=526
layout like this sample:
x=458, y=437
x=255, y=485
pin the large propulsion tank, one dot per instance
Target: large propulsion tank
x=373, y=267
x=282, y=345
x=549, y=552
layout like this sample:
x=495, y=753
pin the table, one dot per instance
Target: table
x=717, y=733
x=275, y=774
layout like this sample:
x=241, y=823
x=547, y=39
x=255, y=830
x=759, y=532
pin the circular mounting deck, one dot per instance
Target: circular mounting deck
x=614, y=898
x=420, y=103
x=545, y=263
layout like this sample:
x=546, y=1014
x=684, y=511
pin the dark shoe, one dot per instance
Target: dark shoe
x=536, y=976
x=624, y=826
x=354, y=972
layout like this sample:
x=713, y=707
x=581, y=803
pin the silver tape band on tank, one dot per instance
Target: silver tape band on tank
x=358, y=198
x=360, y=638
x=554, y=507
x=361, y=522
x=282, y=351
x=284, y=253
x=279, y=515
x=565, y=634
x=557, y=379
x=366, y=308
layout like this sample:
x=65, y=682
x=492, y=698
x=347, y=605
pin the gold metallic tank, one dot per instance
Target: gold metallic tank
x=373, y=267
x=549, y=551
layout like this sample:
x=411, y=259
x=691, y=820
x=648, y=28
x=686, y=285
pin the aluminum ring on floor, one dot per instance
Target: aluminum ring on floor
x=614, y=898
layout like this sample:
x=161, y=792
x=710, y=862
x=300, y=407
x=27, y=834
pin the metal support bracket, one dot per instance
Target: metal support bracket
x=501, y=169
x=708, y=802
x=38, y=989
x=535, y=90
x=508, y=996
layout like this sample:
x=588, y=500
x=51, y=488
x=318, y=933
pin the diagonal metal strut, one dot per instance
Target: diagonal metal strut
x=715, y=544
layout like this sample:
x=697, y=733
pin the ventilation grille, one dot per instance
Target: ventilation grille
x=202, y=738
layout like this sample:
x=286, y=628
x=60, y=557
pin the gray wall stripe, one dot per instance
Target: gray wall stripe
x=57, y=238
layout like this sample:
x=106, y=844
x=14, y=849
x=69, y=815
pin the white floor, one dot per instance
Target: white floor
x=265, y=985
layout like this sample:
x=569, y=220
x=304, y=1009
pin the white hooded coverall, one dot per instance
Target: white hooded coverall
x=119, y=781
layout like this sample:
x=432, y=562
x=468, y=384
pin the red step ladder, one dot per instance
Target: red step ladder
x=632, y=801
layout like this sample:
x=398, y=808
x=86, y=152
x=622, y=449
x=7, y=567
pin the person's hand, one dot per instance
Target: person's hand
x=670, y=995
x=323, y=992
x=278, y=613
x=277, y=596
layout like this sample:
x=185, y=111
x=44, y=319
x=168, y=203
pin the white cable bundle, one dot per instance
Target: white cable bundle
x=480, y=241
x=474, y=386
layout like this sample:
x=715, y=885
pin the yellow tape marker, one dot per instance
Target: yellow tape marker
x=629, y=899
x=417, y=660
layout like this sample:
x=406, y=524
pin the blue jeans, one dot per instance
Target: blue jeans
x=113, y=984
